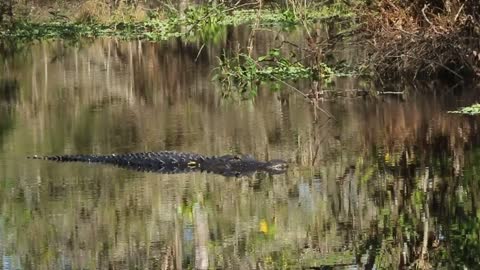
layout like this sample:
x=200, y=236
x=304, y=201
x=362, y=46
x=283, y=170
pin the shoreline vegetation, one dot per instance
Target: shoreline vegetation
x=95, y=19
x=403, y=40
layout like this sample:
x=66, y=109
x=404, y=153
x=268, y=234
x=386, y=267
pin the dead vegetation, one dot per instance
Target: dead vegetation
x=425, y=39
x=94, y=11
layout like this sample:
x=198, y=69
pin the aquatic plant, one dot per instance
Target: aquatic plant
x=244, y=74
x=470, y=110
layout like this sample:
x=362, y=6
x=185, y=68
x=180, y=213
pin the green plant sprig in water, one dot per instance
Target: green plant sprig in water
x=244, y=74
x=470, y=110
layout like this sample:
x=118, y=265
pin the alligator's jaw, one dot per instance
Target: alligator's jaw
x=277, y=166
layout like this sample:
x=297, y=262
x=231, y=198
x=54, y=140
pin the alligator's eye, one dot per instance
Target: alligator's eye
x=192, y=164
x=237, y=157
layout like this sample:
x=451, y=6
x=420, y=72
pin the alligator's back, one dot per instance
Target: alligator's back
x=165, y=161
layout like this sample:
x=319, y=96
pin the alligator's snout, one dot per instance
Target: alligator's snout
x=277, y=165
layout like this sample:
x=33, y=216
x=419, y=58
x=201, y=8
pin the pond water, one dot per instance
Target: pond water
x=390, y=182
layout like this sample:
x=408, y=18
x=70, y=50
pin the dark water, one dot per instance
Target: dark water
x=391, y=183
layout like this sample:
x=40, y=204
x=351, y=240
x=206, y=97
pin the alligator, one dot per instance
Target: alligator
x=169, y=162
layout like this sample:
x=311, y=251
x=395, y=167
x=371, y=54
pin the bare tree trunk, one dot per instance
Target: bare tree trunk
x=251, y=38
x=182, y=6
x=6, y=10
x=2, y=11
x=10, y=10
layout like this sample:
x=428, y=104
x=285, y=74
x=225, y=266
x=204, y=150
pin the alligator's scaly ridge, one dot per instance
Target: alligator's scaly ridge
x=179, y=162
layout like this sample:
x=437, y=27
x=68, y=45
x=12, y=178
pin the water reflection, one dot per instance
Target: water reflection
x=8, y=91
x=392, y=183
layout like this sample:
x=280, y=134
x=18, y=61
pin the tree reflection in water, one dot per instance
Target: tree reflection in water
x=392, y=184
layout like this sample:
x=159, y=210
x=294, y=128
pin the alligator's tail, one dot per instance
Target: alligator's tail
x=70, y=158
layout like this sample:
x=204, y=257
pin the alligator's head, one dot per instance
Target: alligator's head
x=236, y=165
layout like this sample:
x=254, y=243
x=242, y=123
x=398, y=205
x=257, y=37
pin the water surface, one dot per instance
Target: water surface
x=391, y=182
